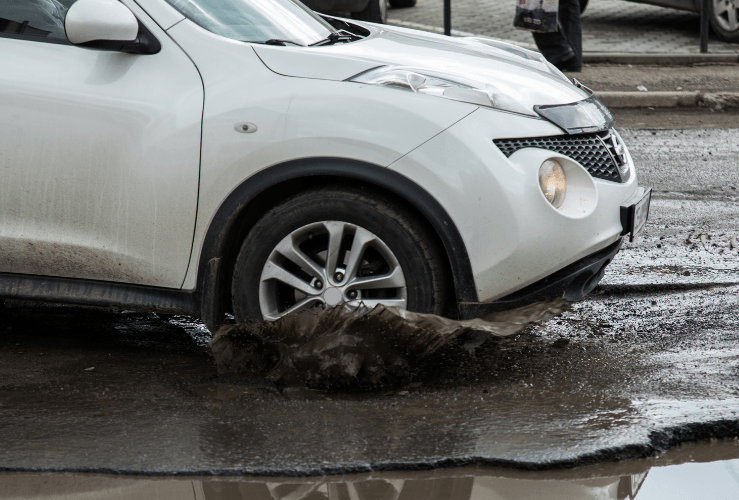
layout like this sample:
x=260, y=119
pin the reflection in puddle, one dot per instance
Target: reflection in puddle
x=26, y=487
x=677, y=475
x=355, y=348
x=451, y=488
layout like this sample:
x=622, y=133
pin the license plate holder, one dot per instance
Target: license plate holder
x=634, y=217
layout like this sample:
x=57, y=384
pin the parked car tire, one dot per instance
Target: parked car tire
x=375, y=12
x=724, y=24
x=583, y=5
x=402, y=4
x=333, y=245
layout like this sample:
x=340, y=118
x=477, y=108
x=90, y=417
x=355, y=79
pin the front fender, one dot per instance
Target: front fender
x=232, y=211
x=295, y=118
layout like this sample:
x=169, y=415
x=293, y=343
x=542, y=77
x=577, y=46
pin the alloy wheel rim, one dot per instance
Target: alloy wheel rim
x=326, y=264
x=726, y=13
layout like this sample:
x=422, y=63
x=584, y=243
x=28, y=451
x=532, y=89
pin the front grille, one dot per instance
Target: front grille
x=589, y=150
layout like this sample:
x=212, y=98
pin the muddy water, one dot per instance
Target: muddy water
x=624, y=375
x=358, y=348
x=690, y=472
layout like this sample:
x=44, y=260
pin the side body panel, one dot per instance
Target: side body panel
x=100, y=155
x=295, y=118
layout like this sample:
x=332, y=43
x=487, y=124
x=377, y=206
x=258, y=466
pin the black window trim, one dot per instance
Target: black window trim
x=35, y=38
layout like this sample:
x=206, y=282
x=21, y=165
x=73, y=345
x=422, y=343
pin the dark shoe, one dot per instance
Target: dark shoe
x=571, y=69
x=569, y=65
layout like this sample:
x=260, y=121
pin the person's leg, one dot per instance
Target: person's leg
x=569, y=20
x=564, y=47
x=554, y=46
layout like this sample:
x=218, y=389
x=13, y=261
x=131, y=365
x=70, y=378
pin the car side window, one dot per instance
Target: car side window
x=39, y=20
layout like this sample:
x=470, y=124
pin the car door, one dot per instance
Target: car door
x=99, y=153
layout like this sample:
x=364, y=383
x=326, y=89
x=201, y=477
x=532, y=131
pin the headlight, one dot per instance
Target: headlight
x=553, y=182
x=423, y=83
x=586, y=116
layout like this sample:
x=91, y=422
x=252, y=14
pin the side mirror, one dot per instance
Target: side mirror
x=108, y=25
x=97, y=20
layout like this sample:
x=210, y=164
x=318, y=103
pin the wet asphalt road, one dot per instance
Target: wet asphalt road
x=648, y=361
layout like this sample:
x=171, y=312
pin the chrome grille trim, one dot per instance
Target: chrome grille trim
x=592, y=151
x=613, y=142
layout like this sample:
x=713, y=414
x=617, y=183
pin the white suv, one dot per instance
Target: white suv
x=248, y=156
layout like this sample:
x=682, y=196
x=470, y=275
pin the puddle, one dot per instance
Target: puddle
x=357, y=349
x=617, y=377
x=691, y=472
x=225, y=392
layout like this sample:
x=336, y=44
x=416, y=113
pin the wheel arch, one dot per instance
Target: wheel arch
x=257, y=194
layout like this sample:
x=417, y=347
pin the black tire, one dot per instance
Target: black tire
x=402, y=4
x=417, y=252
x=583, y=5
x=723, y=32
x=374, y=12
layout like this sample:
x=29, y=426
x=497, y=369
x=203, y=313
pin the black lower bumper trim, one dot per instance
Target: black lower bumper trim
x=573, y=283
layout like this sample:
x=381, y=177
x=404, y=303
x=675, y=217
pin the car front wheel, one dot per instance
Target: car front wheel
x=725, y=19
x=331, y=246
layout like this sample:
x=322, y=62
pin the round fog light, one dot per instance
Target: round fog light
x=553, y=182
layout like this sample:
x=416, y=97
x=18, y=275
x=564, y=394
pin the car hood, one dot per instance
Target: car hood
x=519, y=73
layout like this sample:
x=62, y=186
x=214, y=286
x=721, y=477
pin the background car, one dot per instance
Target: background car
x=723, y=14
x=373, y=11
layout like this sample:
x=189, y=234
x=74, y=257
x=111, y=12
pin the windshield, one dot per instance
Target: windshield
x=256, y=20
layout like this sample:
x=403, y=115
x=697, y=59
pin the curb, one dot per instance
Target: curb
x=625, y=100
x=658, y=59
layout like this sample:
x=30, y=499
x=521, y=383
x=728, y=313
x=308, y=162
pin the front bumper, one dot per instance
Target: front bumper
x=513, y=236
x=573, y=283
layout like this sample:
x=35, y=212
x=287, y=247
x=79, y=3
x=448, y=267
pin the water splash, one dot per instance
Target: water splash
x=355, y=348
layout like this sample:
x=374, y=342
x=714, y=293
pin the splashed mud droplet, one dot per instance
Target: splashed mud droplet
x=355, y=348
